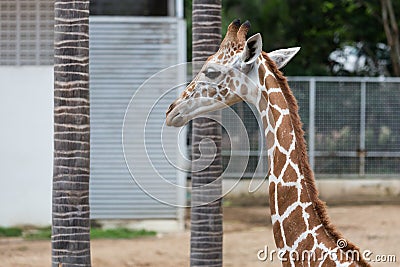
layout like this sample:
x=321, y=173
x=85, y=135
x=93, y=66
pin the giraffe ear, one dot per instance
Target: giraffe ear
x=252, y=49
x=282, y=56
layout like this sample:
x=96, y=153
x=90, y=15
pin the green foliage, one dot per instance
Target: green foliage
x=319, y=27
x=10, y=232
x=119, y=233
x=43, y=233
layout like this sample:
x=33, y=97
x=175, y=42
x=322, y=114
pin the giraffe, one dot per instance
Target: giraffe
x=241, y=71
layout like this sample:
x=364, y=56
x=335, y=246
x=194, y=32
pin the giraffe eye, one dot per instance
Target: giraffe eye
x=212, y=74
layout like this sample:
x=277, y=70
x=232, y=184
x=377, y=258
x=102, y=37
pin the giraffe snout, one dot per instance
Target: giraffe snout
x=173, y=115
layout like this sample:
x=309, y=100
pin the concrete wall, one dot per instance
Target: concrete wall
x=26, y=144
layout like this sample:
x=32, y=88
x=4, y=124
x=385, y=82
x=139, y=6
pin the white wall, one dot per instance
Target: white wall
x=26, y=144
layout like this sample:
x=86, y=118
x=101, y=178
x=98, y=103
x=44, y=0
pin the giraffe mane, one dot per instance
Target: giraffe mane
x=312, y=191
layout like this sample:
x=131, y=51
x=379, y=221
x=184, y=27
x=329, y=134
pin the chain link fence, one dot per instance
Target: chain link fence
x=352, y=127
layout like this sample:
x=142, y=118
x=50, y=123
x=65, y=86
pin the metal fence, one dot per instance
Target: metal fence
x=352, y=127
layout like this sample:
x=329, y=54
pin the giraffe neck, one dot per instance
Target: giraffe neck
x=300, y=224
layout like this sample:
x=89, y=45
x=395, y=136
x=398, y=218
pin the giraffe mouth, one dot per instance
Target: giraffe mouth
x=175, y=119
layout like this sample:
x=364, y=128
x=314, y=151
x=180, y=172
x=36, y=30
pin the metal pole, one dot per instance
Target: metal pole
x=311, y=129
x=182, y=138
x=179, y=7
x=363, y=103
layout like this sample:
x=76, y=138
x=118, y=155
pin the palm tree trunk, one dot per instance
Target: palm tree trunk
x=70, y=222
x=206, y=211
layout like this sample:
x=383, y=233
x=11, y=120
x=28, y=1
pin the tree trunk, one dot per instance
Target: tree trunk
x=392, y=34
x=206, y=211
x=71, y=223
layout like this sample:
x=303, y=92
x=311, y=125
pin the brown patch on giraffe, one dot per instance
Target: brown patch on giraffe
x=289, y=175
x=275, y=113
x=212, y=92
x=318, y=254
x=298, y=262
x=276, y=228
x=271, y=82
x=270, y=137
x=263, y=101
x=328, y=262
x=204, y=92
x=279, y=162
x=261, y=74
x=243, y=89
x=196, y=95
x=219, y=98
x=292, y=227
x=231, y=53
x=220, y=56
x=294, y=157
x=271, y=190
x=237, y=83
x=223, y=92
x=302, y=256
x=262, y=104
x=231, y=85
x=184, y=95
x=306, y=244
x=327, y=242
x=271, y=118
x=278, y=99
x=284, y=133
x=190, y=87
x=287, y=195
x=265, y=124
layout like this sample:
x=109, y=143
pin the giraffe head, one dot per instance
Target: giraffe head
x=227, y=77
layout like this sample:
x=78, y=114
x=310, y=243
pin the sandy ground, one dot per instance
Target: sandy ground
x=246, y=231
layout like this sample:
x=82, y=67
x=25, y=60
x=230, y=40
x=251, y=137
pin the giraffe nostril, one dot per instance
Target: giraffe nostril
x=171, y=107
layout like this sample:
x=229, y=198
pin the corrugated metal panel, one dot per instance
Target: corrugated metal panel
x=124, y=52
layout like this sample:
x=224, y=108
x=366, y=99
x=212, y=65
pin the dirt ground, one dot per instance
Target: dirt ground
x=246, y=231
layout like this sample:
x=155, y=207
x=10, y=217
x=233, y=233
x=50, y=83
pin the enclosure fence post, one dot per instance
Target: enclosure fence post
x=182, y=137
x=179, y=7
x=362, y=152
x=311, y=127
